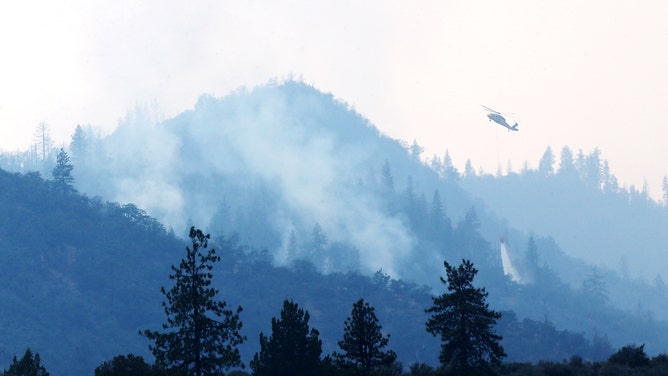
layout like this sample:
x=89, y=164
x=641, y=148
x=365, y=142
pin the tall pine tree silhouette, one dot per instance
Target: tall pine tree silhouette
x=465, y=324
x=363, y=342
x=201, y=335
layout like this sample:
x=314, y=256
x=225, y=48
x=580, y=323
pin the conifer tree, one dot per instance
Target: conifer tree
x=62, y=173
x=631, y=356
x=545, y=166
x=465, y=324
x=292, y=349
x=449, y=169
x=567, y=163
x=80, y=145
x=122, y=365
x=595, y=288
x=202, y=335
x=29, y=365
x=440, y=227
x=415, y=151
x=363, y=342
x=469, y=171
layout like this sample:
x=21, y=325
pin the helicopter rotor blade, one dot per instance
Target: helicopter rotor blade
x=490, y=110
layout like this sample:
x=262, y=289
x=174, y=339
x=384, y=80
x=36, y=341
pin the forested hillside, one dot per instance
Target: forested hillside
x=576, y=198
x=83, y=277
x=305, y=200
x=611, y=233
x=80, y=274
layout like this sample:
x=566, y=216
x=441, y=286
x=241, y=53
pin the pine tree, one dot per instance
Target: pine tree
x=62, y=173
x=595, y=288
x=29, y=365
x=592, y=169
x=203, y=335
x=122, y=365
x=610, y=183
x=631, y=356
x=469, y=171
x=80, y=144
x=566, y=163
x=292, y=349
x=440, y=227
x=437, y=165
x=363, y=342
x=415, y=151
x=545, y=166
x=450, y=171
x=465, y=324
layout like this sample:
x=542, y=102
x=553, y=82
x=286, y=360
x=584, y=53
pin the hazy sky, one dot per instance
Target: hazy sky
x=579, y=73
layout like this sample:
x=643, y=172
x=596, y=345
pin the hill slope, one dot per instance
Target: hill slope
x=86, y=276
x=293, y=171
x=78, y=274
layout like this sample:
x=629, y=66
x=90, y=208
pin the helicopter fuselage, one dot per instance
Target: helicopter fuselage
x=501, y=121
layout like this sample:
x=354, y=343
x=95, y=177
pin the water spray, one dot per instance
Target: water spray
x=508, y=268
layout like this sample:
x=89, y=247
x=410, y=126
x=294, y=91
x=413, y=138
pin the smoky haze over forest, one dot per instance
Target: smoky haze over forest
x=300, y=158
x=292, y=171
x=286, y=144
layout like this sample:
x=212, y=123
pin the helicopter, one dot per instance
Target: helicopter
x=499, y=119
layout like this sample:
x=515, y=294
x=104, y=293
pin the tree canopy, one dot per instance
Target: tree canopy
x=29, y=365
x=122, y=365
x=202, y=334
x=292, y=349
x=62, y=173
x=463, y=320
x=363, y=342
x=631, y=356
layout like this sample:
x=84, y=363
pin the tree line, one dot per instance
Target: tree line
x=62, y=183
x=201, y=333
x=201, y=336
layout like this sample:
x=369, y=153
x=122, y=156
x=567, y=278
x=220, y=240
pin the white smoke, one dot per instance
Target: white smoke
x=171, y=169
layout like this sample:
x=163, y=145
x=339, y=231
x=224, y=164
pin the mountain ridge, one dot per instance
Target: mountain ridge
x=291, y=170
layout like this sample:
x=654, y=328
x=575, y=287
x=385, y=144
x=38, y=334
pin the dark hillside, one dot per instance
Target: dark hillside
x=329, y=199
x=79, y=274
x=82, y=277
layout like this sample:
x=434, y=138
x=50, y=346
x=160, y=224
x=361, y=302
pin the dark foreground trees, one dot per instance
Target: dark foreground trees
x=292, y=349
x=201, y=336
x=363, y=342
x=465, y=324
x=29, y=365
x=631, y=356
x=123, y=365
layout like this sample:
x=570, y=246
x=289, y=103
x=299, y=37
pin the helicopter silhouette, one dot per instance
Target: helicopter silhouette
x=498, y=118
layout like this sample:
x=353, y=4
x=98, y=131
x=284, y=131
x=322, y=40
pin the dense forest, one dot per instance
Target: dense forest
x=330, y=212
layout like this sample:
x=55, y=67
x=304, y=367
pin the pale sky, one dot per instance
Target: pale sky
x=579, y=73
